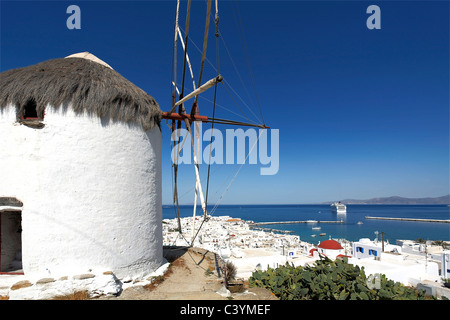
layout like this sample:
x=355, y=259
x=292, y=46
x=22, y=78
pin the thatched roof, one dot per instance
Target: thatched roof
x=87, y=85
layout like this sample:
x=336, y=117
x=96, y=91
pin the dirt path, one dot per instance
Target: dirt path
x=193, y=275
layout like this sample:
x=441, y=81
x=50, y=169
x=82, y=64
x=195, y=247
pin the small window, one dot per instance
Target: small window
x=30, y=111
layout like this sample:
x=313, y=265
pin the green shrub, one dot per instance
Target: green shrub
x=329, y=280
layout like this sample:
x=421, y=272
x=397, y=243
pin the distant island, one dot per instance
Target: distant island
x=397, y=200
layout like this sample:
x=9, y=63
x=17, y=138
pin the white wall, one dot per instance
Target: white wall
x=365, y=247
x=330, y=253
x=371, y=249
x=445, y=264
x=91, y=192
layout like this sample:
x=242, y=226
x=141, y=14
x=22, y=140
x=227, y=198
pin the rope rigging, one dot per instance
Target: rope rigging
x=194, y=117
x=248, y=59
x=205, y=45
x=227, y=85
x=175, y=165
x=216, y=22
x=181, y=111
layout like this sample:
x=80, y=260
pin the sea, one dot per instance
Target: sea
x=350, y=229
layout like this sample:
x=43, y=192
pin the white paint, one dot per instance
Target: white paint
x=91, y=191
x=96, y=286
x=330, y=253
x=89, y=56
x=365, y=248
x=407, y=270
x=445, y=264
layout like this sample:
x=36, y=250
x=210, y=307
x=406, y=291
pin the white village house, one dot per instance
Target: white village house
x=328, y=248
x=80, y=171
x=365, y=248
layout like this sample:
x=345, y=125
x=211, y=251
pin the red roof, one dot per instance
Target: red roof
x=330, y=244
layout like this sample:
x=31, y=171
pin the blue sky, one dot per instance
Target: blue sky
x=361, y=113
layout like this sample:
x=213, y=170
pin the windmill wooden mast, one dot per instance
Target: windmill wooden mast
x=194, y=116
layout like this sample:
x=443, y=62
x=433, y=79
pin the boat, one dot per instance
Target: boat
x=316, y=228
x=322, y=234
x=338, y=207
x=359, y=222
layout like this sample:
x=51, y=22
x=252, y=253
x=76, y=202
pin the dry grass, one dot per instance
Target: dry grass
x=155, y=282
x=160, y=279
x=178, y=263
x=78, y=295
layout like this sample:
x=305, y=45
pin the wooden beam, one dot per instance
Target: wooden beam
x=181, y=117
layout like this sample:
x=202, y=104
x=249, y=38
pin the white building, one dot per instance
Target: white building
x=445, y=264
x=329, y=248
x=80, y=168
x=365, y=248
x=409, y=269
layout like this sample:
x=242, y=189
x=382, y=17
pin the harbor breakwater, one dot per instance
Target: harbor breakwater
x=292, y=222
x=409, y=219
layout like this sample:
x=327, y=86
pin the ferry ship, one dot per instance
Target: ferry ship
x=338, y=207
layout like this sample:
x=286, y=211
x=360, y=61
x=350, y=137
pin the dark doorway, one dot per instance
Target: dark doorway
x=11, y=242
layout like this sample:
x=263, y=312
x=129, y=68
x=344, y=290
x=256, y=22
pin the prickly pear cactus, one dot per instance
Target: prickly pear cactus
x=330, y=280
